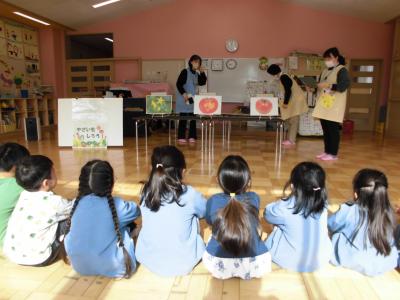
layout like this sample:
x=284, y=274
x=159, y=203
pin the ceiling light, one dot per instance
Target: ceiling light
x=110, y=40
x=104, y=3
x=31, y=18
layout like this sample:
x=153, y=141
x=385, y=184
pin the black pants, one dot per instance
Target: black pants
x=182, y=127
x=331, y=136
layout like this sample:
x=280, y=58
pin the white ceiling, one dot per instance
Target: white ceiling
x=77, y=13
x=376, y=10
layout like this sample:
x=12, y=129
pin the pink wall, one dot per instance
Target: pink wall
x=52, y=60
x=262, y=27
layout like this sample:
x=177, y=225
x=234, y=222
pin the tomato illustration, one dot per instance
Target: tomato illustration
x=263, y=106
x=208, y=105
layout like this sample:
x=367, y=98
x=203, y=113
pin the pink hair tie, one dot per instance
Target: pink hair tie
x=159, y=165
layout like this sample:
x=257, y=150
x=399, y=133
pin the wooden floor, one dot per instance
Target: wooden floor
x=59, y=281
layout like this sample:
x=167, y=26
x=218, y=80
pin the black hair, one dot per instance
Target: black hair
x=97, y=177
x=307, y=181
x=375, y=209
x=274, y=69
x=233, y=226
x=193, y=58
x=165, y=180
x=335, y=53
x=32, y=170
x=10, y=155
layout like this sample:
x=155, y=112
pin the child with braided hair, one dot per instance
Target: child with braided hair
x=109, y=249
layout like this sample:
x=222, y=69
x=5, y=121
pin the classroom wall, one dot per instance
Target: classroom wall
x=52, y=60
x=262, y=27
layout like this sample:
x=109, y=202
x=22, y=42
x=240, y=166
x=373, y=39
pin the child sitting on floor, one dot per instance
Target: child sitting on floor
x=363, y=229
x=10, y=155
x=38, y=222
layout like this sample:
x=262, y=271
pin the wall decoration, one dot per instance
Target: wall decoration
x=263, y=63
x=31, y=52
x=15, y=50
x=264, y=106
x=13, y=33
x=29, y=36
x=207, y=105
x=3, y=47
x=231, y=64
x=217, y=65
x=158, y=104
x=6, y=74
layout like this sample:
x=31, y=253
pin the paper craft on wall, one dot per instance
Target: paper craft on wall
x=264, y=106
x=15, y=50
x=207, y=105
x=3, y=47
x=31, y=52
x=158, y=104
x=13, y=33
x=89, y=122
x=29, y=36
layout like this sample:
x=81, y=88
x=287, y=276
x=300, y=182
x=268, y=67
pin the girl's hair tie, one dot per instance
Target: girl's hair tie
x=159, y=165
x=316, y=189
x=232, y=195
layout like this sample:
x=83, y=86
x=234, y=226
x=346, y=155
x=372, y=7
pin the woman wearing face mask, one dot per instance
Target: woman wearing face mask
x=186, y=85
x=331, y=101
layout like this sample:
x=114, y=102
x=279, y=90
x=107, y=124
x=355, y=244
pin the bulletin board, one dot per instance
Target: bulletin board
x=19, y=57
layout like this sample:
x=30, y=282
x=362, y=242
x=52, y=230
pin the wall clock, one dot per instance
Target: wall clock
x=231, y=64
x=231, y=45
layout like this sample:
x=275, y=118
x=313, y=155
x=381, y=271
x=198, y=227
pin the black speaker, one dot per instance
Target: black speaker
x=32, y=129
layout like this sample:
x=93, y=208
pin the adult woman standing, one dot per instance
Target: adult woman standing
x=186, y=84
x=331, y=103
x=292, y=104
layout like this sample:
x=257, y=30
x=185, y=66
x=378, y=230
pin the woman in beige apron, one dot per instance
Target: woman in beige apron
x=331, y=101
x=293, y=104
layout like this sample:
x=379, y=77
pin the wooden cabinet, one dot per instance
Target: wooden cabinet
x=13, y=111
x=393, y=107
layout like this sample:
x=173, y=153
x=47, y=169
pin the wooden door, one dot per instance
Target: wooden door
x=79, y=78
x=363, y=94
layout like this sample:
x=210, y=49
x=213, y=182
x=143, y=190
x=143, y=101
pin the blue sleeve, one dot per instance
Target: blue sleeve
x=127, y=211
x=209, y=211
x=200, y=204
x=255, y=200
x=337, y=221
x=274, y=213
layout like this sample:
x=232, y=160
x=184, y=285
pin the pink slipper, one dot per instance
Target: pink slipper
x=329, y=157
x=288, y=143
x=321, y=155
x=192, y=140
x=182, y=141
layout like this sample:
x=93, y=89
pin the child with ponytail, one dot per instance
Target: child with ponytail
x=235, y=248
x=300, y=240
x=169, y=243
x=363, y=229
x=99, y=240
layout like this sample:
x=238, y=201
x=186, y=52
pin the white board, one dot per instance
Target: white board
x=232, y=84
x=113, y=107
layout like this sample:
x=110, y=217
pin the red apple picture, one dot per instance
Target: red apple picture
x=208, y=106
x=263, y=106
